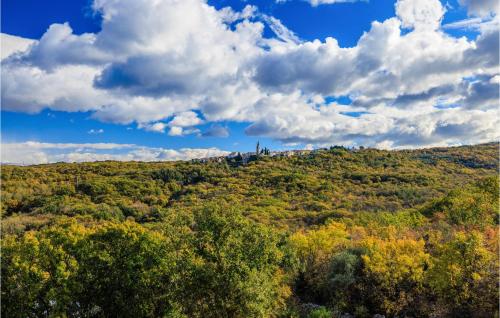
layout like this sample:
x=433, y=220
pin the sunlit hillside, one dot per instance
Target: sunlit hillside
x=317, y=234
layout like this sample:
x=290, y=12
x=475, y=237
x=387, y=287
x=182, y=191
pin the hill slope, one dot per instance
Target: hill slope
x=291, y=191
x=397, y=233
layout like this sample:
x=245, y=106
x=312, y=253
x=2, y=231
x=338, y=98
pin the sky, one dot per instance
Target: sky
x=160, y=80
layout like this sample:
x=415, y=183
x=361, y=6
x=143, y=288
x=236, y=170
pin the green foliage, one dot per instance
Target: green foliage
x=167, y=175
x=321, y=312
x=304, y=190
x=223, y=266
x=364, y=232
x=343, y=289
x=72, y=270
x=236, y=272
x=95, y=188
x=35, y=272
x=476, y=204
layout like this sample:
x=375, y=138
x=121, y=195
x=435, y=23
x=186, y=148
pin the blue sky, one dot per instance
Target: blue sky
x=323, y=109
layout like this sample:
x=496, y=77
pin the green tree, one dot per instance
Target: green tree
x=111, y=269
x=236, y=272
x=127, y=271
x=321, y=312
x=36, y=276
x=345, y=281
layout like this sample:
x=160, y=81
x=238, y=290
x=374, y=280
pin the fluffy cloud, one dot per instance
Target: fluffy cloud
x=399, y=128
x=185, y=119
x=420, y=14
x=59, y=46
x=33, y=152
x=410, y=83
x=384, y=64
x=175, y=131
x=13, y=44
x=135, y=69
x=155, y=127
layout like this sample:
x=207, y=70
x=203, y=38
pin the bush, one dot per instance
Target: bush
x=321, y=312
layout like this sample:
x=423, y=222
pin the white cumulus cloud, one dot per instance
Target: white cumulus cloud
x=171, y=65
x=10, y=44
x=420, y=14
x=33, y=152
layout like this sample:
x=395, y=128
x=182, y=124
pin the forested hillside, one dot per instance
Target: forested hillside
x=337, y=232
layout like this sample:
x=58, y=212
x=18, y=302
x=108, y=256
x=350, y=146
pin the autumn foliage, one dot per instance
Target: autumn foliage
x=394, y=233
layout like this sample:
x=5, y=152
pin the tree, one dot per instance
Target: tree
x=465, y=276
x=127, y=271
x=236, y=271
x=36, y=276
x=112, y=269
x=344, y=283
x=315, y=248
x=394, y=270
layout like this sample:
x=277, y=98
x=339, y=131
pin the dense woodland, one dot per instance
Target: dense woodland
x=336, y=233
